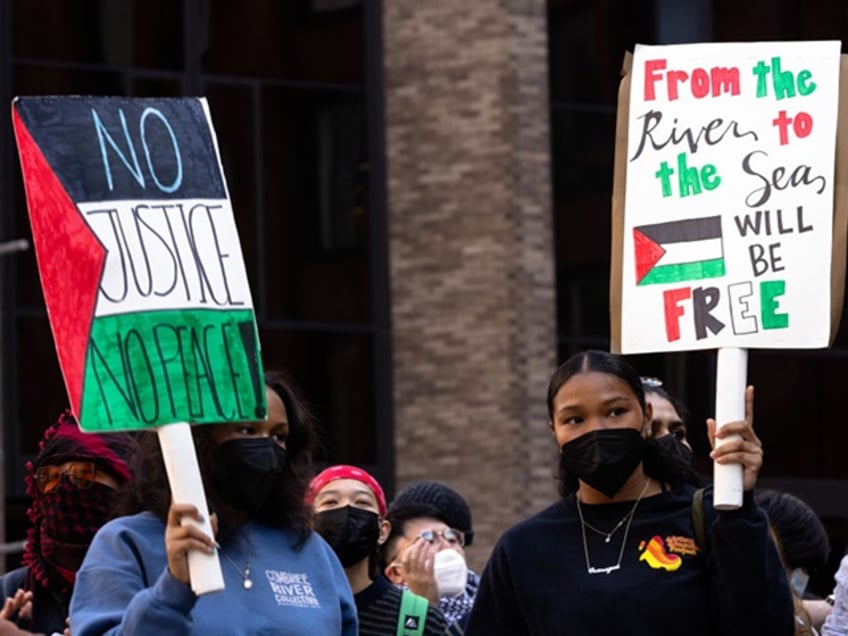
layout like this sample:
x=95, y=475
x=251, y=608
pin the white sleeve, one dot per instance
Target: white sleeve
x=836, y=623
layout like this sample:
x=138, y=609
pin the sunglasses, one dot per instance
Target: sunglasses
x=81, y=474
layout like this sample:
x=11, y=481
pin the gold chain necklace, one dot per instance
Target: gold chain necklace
x=246, y=582
x=628, y=517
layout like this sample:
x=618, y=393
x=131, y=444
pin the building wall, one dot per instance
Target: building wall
x=471, y=252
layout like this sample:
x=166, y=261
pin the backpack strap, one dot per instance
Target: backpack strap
x=698, y=520
x=700, y=534
x=412, y=615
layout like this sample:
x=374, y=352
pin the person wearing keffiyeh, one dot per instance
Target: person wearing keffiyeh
x=73, y=483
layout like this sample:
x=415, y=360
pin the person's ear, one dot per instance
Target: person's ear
x=392, y=573
x=646, y=423
x=385, y=529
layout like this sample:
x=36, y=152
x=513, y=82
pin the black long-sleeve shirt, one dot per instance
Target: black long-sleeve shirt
x=536, y=580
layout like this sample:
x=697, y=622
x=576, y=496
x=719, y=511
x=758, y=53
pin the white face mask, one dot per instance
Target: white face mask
x=451, y=572
x=798, y=581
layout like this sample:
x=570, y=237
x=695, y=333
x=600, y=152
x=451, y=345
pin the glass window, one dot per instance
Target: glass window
x=232, y=109
x=295, y=40
x=335, y=370
x=315, y=240
x=42, y=390
x=583, y=147
x=587, y=41
x=142, y=33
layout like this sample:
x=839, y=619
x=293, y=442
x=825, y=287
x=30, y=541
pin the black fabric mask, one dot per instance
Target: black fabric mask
x=604, y=458
x=672, y=446
x=246, y=468
x=351, y=532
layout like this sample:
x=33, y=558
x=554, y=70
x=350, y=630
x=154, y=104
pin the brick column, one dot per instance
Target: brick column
x=471, y=252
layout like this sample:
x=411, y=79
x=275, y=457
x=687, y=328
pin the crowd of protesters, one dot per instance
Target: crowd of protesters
x=632, y=545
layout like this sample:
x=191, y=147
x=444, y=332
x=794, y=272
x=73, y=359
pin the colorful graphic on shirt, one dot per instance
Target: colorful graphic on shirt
x=654, y=554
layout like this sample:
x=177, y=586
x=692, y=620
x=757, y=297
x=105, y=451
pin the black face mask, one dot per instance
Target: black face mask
x=246, y=471
x=672, y=446
x=605, y=458
x=351, y=532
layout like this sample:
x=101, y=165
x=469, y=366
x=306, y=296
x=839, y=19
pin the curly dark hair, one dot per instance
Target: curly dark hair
x=657, y=463
x=285, y=508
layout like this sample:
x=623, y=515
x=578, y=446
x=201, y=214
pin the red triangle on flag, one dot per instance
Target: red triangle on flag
x=70, y=260
x=648, y=252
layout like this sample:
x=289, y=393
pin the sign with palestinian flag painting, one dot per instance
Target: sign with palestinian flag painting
x=140, y=261
x=728, y=207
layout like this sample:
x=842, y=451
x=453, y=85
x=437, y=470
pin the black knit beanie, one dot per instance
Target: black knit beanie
x=453, y=509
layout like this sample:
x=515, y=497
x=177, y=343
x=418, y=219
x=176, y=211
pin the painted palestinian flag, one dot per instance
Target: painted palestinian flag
x=679, y=251
x=140, y=261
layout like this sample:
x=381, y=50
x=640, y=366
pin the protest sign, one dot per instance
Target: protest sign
x=727, y=226
x=143, y=275
x=140, y=262
x=730, y=207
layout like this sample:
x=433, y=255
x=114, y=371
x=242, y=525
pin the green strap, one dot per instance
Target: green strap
x=413, y=614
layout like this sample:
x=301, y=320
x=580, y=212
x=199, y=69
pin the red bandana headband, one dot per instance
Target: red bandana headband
x=343, y=471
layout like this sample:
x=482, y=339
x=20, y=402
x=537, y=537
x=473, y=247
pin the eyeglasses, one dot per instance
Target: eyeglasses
x=81, y=474
x=451, y=536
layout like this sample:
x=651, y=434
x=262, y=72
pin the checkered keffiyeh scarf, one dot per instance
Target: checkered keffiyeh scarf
x=454, y=608
x=65, y=520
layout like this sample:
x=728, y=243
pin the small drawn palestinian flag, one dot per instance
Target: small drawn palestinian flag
x=678, y=251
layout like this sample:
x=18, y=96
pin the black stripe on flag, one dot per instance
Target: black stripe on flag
x=682, y=231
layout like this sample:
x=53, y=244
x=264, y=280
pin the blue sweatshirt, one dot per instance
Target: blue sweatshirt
x=537, y=580
x=124, y=587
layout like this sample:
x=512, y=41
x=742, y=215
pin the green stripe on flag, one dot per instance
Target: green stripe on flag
x=151, y=368
x=681, y=272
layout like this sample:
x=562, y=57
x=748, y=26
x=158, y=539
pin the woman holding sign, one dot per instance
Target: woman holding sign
x=280, y=576
x=629, y=549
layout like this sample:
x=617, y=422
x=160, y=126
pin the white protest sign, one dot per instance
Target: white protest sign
x=728, y=207
x=143, y=275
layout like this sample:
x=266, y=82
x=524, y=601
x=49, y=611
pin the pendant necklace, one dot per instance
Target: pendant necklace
x=608, y=535
x=246, y=582
x=628, y=518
